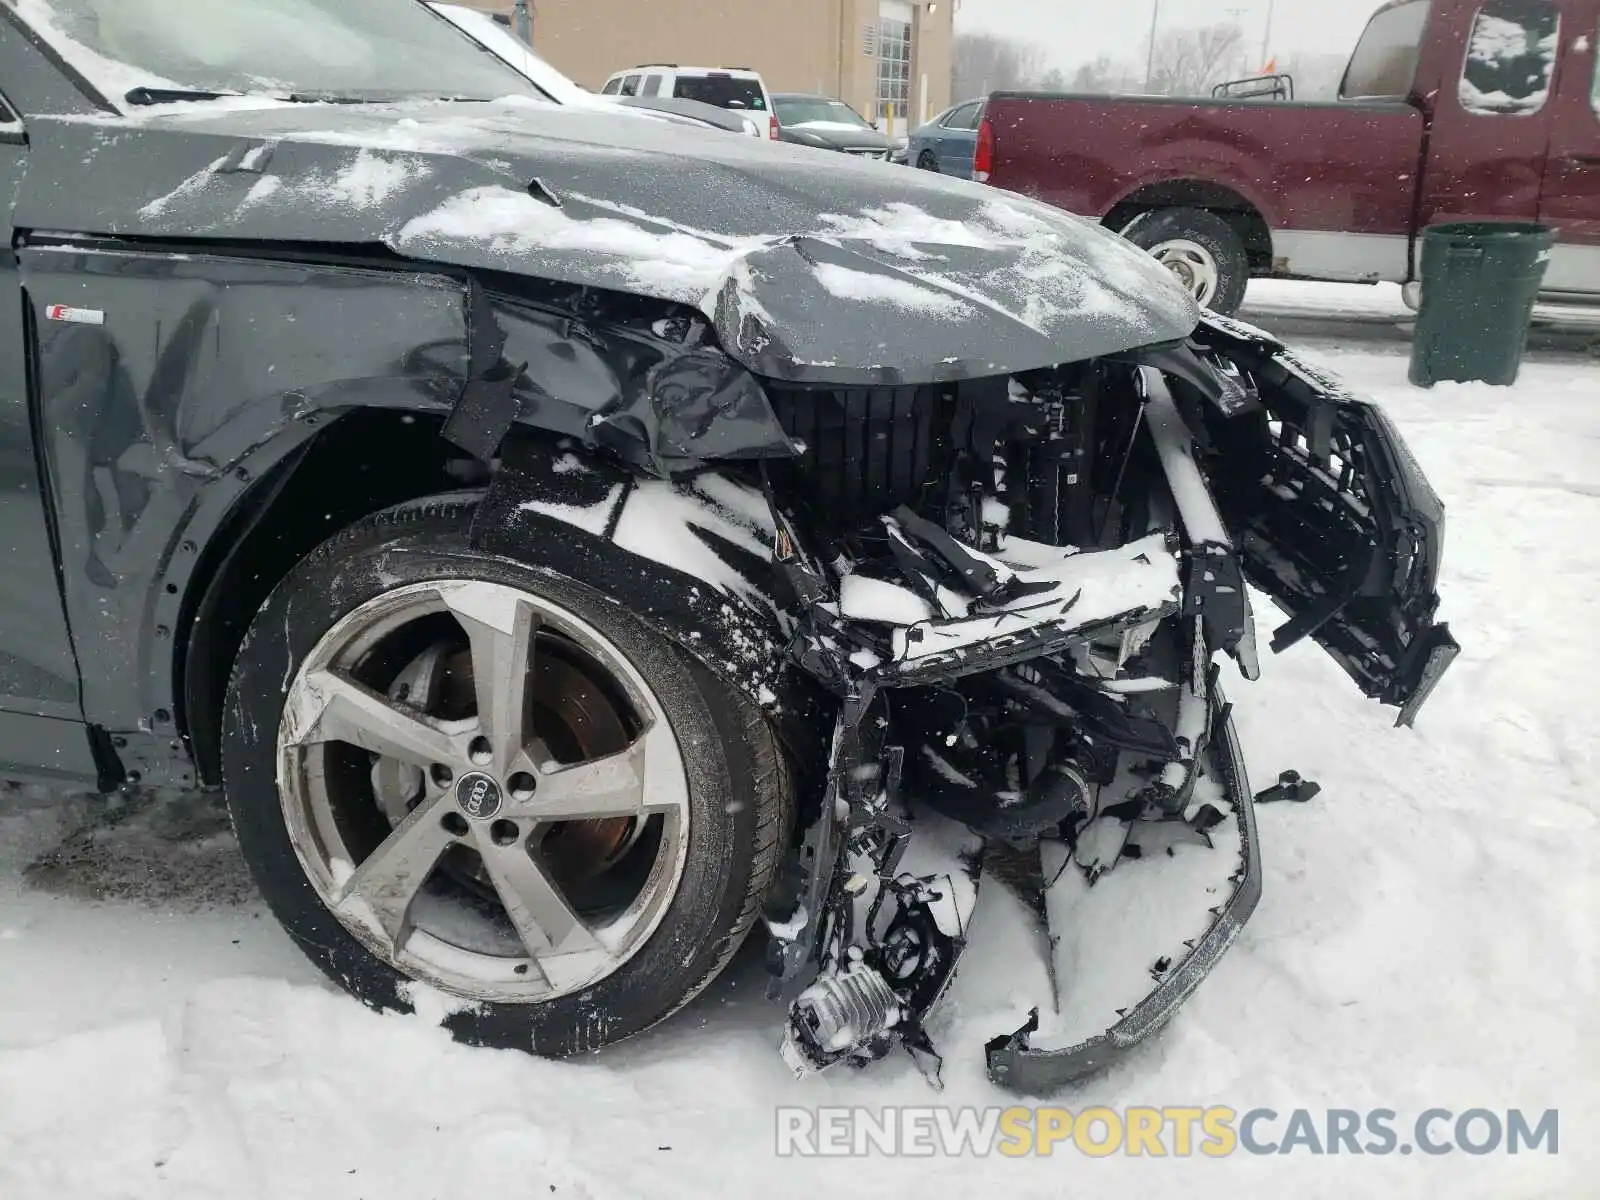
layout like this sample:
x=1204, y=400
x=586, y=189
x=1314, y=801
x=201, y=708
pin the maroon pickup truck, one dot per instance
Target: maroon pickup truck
x=1449, y=110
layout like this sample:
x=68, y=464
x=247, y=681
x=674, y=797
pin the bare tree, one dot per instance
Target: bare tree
x=1190, y=62
x=1101, y=77
x=985, y=62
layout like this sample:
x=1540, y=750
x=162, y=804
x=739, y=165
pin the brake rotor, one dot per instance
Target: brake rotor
x=574, y=719
x=577, y=721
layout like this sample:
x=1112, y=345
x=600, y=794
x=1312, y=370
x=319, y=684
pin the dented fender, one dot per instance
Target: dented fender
x=181, y=387
x=174, y=401
x=639, y=379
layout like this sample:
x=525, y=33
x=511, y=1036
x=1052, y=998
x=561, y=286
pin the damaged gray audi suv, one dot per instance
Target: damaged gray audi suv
x=571, y=542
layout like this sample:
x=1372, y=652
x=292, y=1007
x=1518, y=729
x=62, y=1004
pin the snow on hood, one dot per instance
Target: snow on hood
x=855, y=274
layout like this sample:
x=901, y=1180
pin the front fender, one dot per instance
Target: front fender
x=163, y=421
x=186, y=382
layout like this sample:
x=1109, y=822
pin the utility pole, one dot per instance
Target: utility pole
x=1150, y=64
x=1244, y=51
x=522, y=19
x=1266, y=38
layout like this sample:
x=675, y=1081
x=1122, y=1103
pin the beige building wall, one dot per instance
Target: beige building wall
x=826, y=46
x=933, y=49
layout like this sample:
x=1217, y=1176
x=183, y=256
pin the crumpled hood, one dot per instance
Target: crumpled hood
x=828, y=271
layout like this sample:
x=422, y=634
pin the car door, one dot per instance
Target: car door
x=1490, y=137
x=924, y=140
x=1571, y=198
x=42, y=735
x=946, y=132
x=962, y=142
x=939, y=136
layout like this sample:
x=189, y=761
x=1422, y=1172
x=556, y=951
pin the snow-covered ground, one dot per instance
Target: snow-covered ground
x=1427, y=938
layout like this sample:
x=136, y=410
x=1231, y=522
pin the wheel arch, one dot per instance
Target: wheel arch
x=1231, y=204
x=287, y=498
x=529, y=511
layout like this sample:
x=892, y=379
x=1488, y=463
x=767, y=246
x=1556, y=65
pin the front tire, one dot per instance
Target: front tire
x=451, y=769
x=926, y=161
x=1204, y=253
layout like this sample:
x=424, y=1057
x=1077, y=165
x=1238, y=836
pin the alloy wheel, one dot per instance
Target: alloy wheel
x=483, y=790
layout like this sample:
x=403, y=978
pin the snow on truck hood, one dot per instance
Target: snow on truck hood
x=857, y=273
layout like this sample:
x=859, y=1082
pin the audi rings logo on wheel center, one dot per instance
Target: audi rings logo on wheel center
x=478, y=795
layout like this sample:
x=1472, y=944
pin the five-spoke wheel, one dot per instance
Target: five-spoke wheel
x=461, y=771
x=515, y=721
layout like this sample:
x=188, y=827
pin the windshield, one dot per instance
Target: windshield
x=809, y=111
x=724, y=91
x=335, y=49
x=512, y=50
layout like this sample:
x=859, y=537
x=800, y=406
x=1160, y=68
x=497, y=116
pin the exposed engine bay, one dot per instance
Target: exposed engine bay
x=1012, y=595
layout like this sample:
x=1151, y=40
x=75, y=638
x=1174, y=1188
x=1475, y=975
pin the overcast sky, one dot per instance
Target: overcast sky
x=1075, y=31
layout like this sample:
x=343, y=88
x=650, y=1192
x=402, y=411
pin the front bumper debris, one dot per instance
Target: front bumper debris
x=1334, y=518
x=1016, y=1063
x=1017, y=615
x=865, y=941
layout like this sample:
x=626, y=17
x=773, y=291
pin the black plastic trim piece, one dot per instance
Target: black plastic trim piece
x=1015, y=1065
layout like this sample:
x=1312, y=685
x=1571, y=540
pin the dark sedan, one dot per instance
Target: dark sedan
x=827, y=124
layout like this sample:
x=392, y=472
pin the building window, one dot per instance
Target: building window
x=894, y=67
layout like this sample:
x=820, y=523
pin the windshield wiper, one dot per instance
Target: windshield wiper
x=145, y=96
x=332, y=98
x=399, y=98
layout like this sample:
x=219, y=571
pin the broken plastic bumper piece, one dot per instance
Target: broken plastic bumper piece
x=1021, y=1062
x=873, y=942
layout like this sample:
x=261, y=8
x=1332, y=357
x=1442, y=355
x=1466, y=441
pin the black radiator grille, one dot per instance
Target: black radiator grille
x=868, y=450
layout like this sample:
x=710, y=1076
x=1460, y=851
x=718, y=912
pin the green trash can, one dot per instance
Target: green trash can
x=1479, y=284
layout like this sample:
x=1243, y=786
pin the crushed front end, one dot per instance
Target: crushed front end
x=1016, y=591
